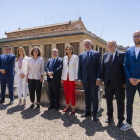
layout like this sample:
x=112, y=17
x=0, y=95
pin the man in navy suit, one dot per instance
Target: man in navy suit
x=7, y=62
x=53, y=69
x=114, y=81
x=132, y=70
x=89, y=73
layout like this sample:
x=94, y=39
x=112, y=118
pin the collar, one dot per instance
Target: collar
x=55, y=58
x=137, y=48
x=37, y=57
x=89, y=51
x=114, y=52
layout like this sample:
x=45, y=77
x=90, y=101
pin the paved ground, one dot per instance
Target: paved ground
x=22, y=123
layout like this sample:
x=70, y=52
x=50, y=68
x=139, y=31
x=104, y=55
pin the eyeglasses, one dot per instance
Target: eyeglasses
x=138, y=36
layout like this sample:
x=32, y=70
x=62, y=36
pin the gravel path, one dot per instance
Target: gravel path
x=21, y=123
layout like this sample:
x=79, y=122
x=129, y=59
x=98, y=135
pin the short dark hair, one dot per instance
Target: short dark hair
x=8, y=46
x=69, y=46
x=39, y=50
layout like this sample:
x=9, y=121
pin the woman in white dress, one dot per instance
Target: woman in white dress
x=21, y=70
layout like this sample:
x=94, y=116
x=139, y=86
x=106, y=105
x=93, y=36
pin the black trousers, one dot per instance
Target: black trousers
x=130, y=93
x=54, y=92
x=91, y=94
x=120, y=96
x=34, y=85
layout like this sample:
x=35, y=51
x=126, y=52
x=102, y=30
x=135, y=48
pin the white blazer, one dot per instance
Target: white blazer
x=72, y=68
x=24, y=66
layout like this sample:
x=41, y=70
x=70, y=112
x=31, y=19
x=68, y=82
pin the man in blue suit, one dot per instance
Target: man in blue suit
x=89, y=73
x=132, y=70
x=7, y=62
x=53, y=69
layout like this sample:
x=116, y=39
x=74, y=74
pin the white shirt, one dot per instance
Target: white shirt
x=35, y=69
x=114, y=55
x=137, y=50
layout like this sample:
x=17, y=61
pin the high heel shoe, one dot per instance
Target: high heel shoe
x=73, y=111
x=66, y=109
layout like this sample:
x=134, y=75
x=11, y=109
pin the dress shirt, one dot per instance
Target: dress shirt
x=35, y=68
x=137, y=50
x=114, y=55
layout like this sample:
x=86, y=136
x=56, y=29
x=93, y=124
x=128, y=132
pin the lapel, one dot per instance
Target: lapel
x=84, y=58
x=66, y=60
x=108, y=59
x=71, y=59
x=6, y=58
x=133, y=53
x=116, y=58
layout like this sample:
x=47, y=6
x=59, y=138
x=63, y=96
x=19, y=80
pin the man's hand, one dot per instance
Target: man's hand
x=138, y=80
x=62, y=81
x=133, y=81
x=3, y=71
x=41, y=79
x=103, y=84
x=97, y=82
x=124, y=85
x=50, y=73
x=80, y=83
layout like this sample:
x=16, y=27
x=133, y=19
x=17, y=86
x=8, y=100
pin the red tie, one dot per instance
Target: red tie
x=111, y=58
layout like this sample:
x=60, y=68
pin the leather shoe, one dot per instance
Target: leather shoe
x=120, y=124
x=86, y=114
x=2, y=101
x=95, y=117
x=51, y=107
x=38, y=106
x=109, y=120
x=11, y=102
x=32, y=106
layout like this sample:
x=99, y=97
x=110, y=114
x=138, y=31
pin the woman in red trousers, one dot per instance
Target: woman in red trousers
x=69, y=77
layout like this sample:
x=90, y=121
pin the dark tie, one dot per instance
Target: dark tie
x=52, y=64
x=111, y=58
x=87, y=57
x=5, y=57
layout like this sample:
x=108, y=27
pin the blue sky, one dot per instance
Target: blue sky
x=120, y=18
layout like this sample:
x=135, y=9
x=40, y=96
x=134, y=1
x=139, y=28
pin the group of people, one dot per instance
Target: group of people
x=119, y=71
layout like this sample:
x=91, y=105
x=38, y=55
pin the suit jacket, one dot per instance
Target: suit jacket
x=116, y=72
x=57, y=69
x=7, y=65
x=131, y=64
x=92, y=70
x=24, y=66
x=72, y=68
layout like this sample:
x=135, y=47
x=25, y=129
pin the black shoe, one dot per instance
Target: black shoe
x=56, y=107
x=95, y=117
x=109, y=120
x=32, y=106
x=11, y=102
x=2, y=101
x=51, y=107
x=38, y=106
x=86, y=114
x=120, y=124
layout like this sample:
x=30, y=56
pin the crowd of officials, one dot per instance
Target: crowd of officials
x=119, y=72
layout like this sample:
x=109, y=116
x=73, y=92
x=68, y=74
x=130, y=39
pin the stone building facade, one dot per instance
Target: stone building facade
x=53, y=36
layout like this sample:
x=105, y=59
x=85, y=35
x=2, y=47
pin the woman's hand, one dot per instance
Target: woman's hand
x=27, y=80
x=61, y=81
x=76, y=80
x=22, y=75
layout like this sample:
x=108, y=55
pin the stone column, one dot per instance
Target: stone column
x=81, y=47
x=3, y=50
x=53, y=46
x=12, y=49
x=42, y=50
x=30, y=47
x=98, y=49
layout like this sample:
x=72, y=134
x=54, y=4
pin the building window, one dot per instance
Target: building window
x=61, y=48
x=0, y=51
x=47, y=49
x=26, y=48
x=75, y=45
x=15, y=50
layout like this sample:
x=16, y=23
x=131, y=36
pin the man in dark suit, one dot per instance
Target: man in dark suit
x=53, y=69
x=89, y=73
x=132, y=70
x=7, y=62
x=113, y=79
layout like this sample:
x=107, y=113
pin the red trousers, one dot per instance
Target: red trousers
x=69, y=88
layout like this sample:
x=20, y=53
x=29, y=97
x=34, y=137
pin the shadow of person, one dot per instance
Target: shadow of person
x=69, y=119
x=15, y=109
x=30, y=113
x=51, y=114
x=100, y=112
x=3, y=106
x=91, y=126
x=116, y=133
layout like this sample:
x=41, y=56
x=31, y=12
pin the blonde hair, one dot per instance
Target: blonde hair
x=18, y=55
